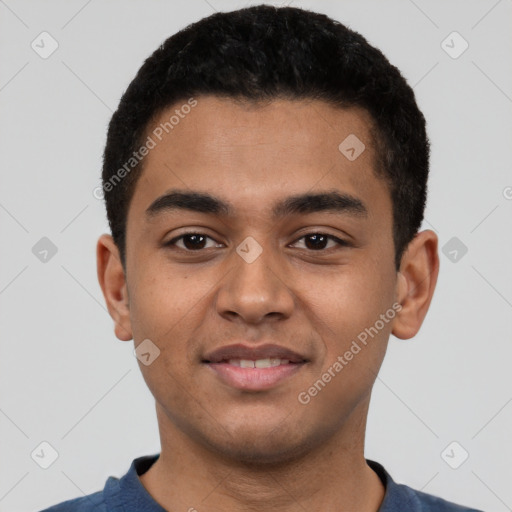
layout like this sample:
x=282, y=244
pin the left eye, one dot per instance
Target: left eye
x=320, y=241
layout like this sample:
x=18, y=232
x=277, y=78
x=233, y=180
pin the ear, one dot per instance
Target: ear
x=112, y=280
x=416, y=282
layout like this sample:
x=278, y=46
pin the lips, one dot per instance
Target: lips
x=244, y=352
x=254, y=368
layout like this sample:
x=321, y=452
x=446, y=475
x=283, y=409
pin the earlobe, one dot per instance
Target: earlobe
x=112, y=281
x=416, y=283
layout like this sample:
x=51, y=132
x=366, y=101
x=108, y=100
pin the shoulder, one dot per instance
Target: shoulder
x=430, y=503
x=399, y=497
x=119, y=494
x=91, y=502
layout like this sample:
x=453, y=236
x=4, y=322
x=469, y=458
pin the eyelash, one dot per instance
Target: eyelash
x=339, y=241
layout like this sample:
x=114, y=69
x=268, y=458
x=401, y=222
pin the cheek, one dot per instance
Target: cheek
x=355, y=340
x=161, y=303
x=166, y=313
x=346, y=301
x=168, y=310
x=352, y=312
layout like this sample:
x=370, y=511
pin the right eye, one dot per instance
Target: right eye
x=192, y=242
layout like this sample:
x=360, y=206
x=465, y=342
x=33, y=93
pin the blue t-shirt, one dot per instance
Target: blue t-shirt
x=127, y=494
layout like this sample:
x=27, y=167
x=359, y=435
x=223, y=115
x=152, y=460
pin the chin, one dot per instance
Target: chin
x=262, y=445
x=262, y=454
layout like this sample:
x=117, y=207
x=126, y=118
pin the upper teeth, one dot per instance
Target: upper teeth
x=259, y=363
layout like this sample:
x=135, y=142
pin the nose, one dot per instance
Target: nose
x=255, y=292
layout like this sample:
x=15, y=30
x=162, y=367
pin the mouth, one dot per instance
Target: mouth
x=254, y=368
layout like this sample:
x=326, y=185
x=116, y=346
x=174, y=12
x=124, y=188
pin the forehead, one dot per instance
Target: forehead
x=252, y=155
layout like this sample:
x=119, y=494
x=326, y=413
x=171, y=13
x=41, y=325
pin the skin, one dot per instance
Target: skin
x=223, y=448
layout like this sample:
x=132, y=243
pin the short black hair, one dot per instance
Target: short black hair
x=263, y=53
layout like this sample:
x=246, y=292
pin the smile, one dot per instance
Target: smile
x=254, y=375
x=254, y=368
x=259, y=363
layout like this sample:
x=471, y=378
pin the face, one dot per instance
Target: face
x=252, y=237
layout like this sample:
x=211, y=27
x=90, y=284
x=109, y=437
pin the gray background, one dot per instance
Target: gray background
x=65, y=378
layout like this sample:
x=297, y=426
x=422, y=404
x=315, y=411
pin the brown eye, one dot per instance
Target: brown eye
x=192, y=242
x=320, y=241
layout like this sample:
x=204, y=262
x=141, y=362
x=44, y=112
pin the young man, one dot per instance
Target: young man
x=265, y=179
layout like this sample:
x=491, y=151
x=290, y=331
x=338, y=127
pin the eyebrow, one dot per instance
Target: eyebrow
x=329, y=201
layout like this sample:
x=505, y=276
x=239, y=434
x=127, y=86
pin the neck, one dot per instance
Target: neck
x=335, y=476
